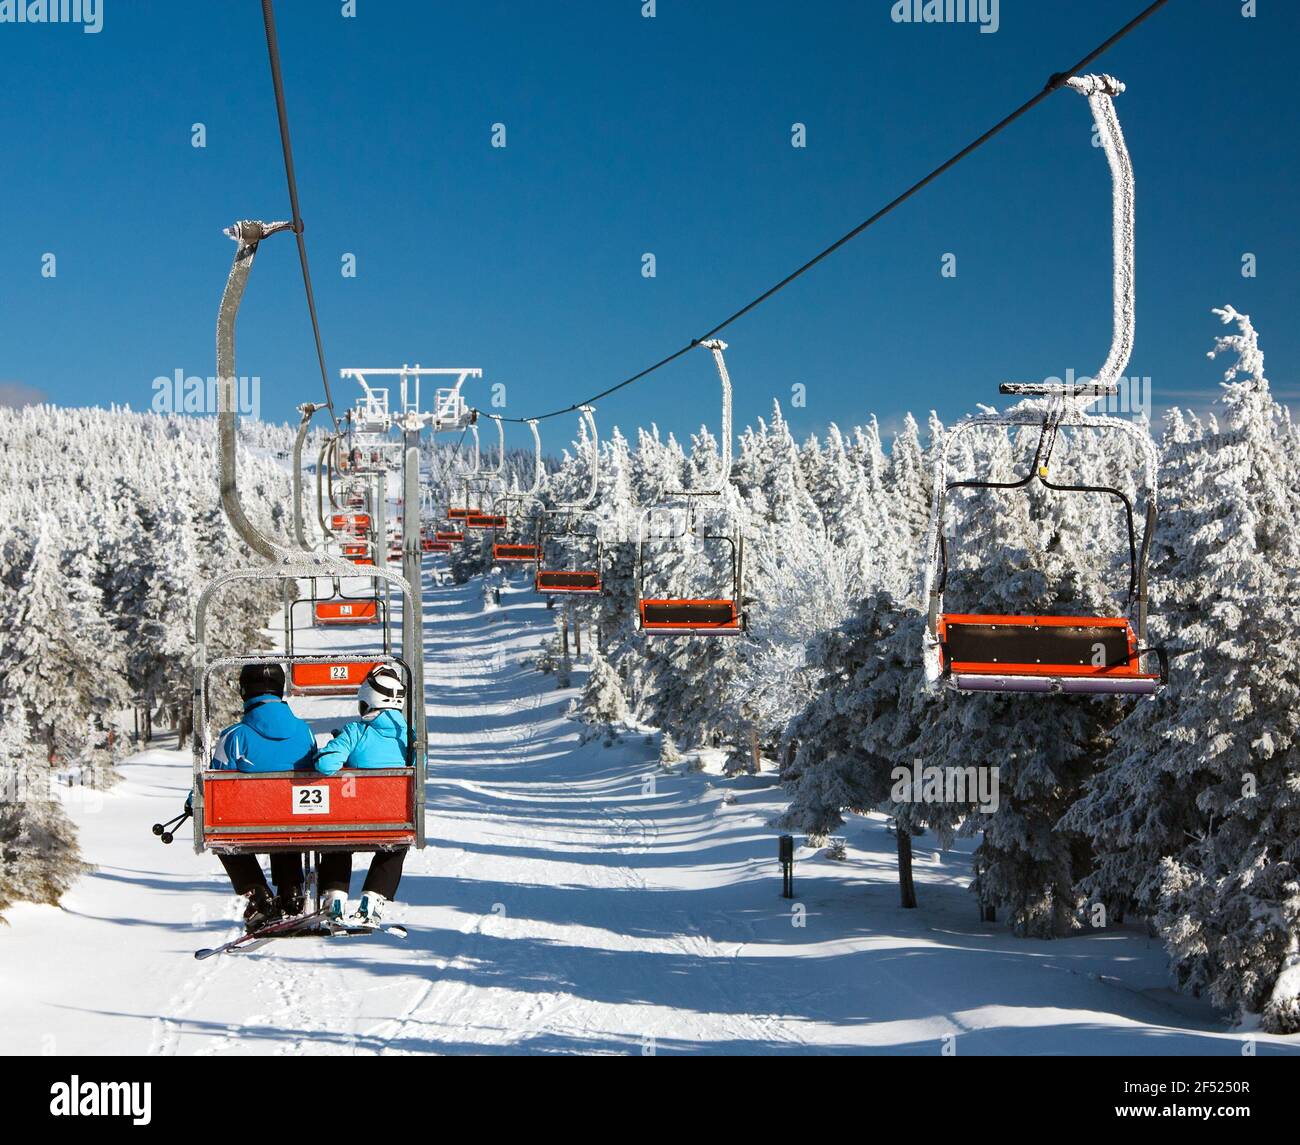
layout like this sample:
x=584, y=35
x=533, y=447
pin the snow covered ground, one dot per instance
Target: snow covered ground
x=574, y=898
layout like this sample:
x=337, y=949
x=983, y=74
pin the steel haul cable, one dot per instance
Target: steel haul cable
x=1057, y=81
x=277, y=80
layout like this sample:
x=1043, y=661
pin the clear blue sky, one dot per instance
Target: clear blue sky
x=626, y=135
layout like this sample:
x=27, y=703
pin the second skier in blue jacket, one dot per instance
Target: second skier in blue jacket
x=379, y=738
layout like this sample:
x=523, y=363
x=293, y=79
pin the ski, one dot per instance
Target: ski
x=343, y=930
x=247, y=940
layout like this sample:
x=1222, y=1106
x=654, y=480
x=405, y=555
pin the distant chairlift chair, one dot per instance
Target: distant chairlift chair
x=569, y=559
x=691, y=510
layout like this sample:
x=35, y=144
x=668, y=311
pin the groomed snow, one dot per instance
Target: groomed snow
x=575, y=898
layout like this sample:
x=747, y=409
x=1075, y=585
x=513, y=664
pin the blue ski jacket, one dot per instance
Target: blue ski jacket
x=269, y=738
x=377, y=740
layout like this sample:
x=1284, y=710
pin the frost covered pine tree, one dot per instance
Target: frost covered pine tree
x=668, y=750
x=602, y=706
x=1197, y=817
x=39, y=858
x=53, y=661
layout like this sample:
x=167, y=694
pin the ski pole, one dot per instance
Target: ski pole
x=166, y=831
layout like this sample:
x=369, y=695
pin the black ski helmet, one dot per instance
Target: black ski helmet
x=261, y=680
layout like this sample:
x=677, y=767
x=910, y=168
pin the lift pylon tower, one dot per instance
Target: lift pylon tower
x=449, y=411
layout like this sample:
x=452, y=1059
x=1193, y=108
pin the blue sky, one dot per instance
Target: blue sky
x=629, y=135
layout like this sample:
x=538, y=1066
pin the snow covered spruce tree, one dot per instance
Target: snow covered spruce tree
x=58, y=660
x=100, y=564
x=39, y=858
x=1196, y=819
x=602, y=706
x=859, y=729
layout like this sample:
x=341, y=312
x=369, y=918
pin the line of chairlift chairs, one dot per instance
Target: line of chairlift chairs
x=566, y=544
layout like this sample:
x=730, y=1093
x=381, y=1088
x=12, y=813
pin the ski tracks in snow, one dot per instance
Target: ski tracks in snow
x=547, y=848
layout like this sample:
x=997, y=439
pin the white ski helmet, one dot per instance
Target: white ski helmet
x=383, y=688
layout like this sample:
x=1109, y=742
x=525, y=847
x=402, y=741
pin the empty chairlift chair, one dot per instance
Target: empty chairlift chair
x=712, y=517
x=514, y=553
x=720, y=614
x=1094, y=655
x=569, y=553
x=327, y=674
x=508, y=549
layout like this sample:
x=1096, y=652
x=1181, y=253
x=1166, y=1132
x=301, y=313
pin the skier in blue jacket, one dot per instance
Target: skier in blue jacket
x=379, y=738
x=269, y=737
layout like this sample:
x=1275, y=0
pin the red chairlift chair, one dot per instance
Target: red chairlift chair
x=351, y=524
x=515, y=554
x=242, y=813
x=569, y=561
x=1093, y=655
x=664, y=615
x=580, y=573
x=720, y=614
x=326, y=675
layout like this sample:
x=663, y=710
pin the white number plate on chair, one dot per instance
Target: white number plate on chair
x=314, y=800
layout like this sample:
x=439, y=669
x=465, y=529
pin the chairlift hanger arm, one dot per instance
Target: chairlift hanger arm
x=321, y=463
x=500, y=468
x=1099, y=91
x=539, y=469
x=716, y=347
x=588, y=414
x=308, y=410
x=248, y=234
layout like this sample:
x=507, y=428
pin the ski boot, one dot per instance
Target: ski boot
x=291, y=901
x=334, y=905
x=370, y=911
x=262, y=909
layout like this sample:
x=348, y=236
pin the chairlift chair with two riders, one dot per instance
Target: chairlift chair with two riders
x=698, y=518
x=258, y=812
x=1091, y=655
x=569, y=555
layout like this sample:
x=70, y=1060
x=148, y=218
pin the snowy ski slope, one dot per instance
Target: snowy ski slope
x=574, y=899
